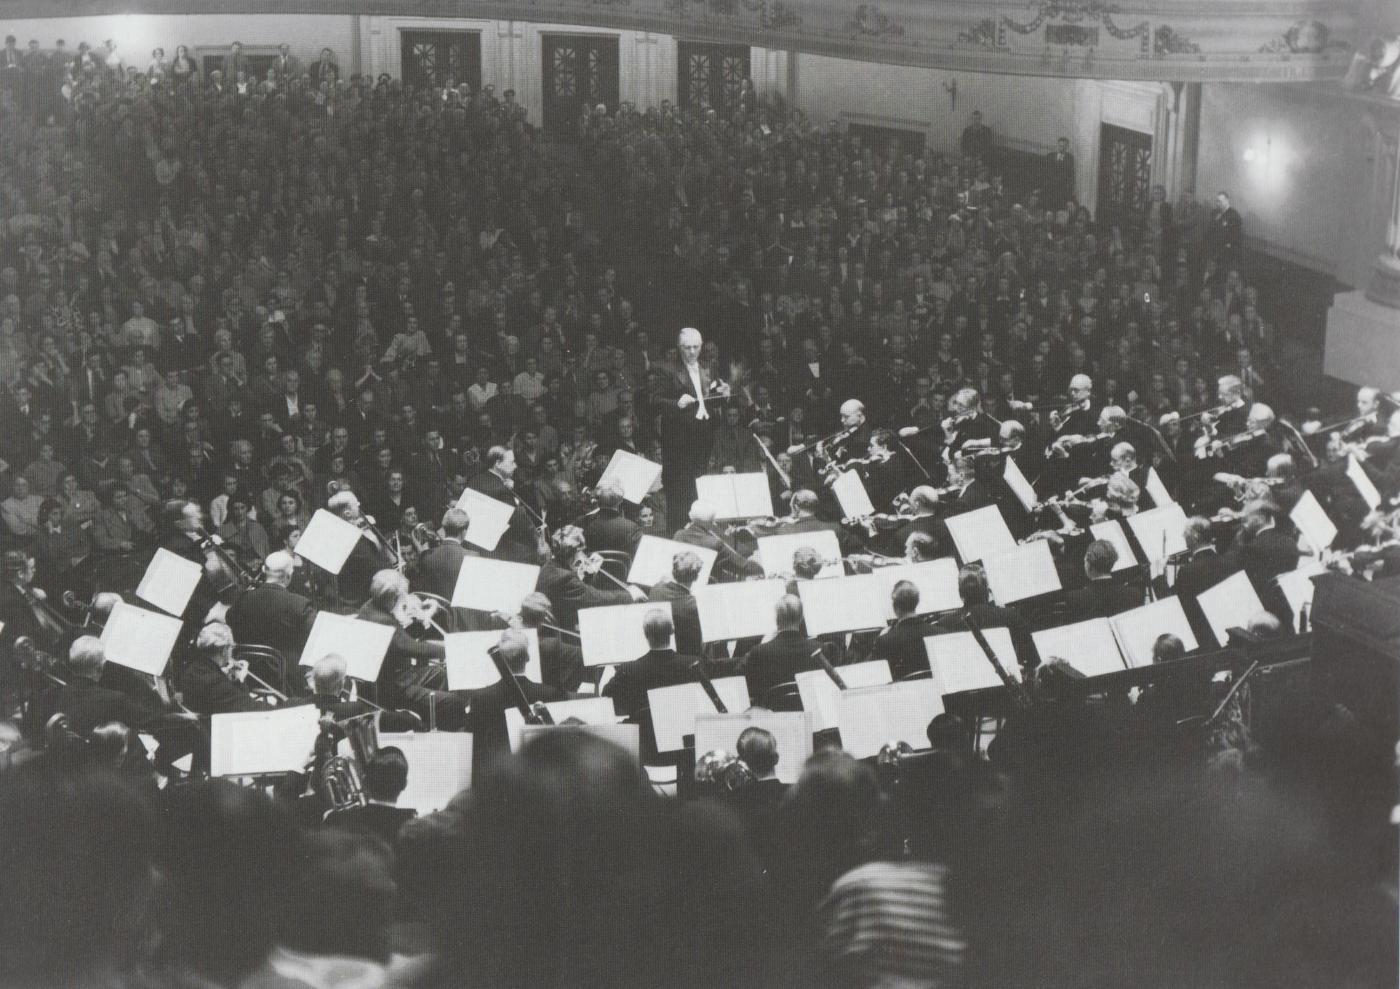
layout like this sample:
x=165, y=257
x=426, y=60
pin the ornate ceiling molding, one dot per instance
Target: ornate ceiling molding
x=1171, y=40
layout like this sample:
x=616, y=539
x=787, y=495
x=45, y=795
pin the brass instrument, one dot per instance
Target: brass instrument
x=339, y=778
x=425, y=536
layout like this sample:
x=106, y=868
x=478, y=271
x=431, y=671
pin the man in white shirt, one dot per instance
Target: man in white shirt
x=20, y=511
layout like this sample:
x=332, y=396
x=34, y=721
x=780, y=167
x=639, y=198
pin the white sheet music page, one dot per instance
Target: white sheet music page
x=1313, y=522
x=139, y=639
x=652, y=561
x=958, y=662
x=674, y=709
x=843, y=604
x=851, y=495
x=489, y=518
x=469, y=663
x=1230, y=604
x=792, y=730
x=439, y=766
x=1112, y=531
x=363, y=645
x=1137, y=630
x=1020, y=487
x=636, y=474
x=821, y=697
x=327, y=541
x=257, y=743
x=1297, y=586
x=980, y=534
x=775, y=552
x=1156, y=490
x=613, y=633
x=169, y=582
x=1160, y=531
x=589, y=710
x=868, y=717
x=493, y=585
x=937, y=581
x=1364, y=485
x=738, y=610
x=1088, y=646
x=1024, y=572
x=736, y=496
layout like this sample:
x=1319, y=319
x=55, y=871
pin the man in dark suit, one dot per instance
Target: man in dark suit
x=781, y=658
x=1203, y=568
x=1104, y=595
x=385, y=778
x=563, y=587
x=212, y=680
x=661, y=666
x=757, y=802
x=88, y=705
x=439, y=567
x=803, y=517
x=685, y=570
x=902, y=644
x=1267, y=549
x=968, y=423
x=561, y=662
x=609, y=530
x=977, y=603
x=702, y=531
x=497, y=481
x=369, y=556
x=1059, y=178
x=486, y=708
x=1226, y=238
x=405, y=664
x=271, y=615
x=687, y=422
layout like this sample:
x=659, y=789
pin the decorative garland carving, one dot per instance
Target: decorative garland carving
x=1073, y=13
x=1165, y=41
x=771, y=15
x=1306, y=37
x=870, y=21
x=983, y=34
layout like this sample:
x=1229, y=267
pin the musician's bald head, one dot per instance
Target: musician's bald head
x=278, y=568
x=1112, y=417
x=1011, y=431
x=788, y=612
x=386, y=587
x=1196, y=532
x=610, y=494
x=536, y=608
x=702, y=512
x=328, y=675
x=804, y=502
x=515, y=649
x=1228, y=388
x=1080, y=387
x=852, y=412
x=86, y=658
x=965, y=400
x=1123, y=456
x=1261, y=416
x=1368, y=399
x=904, y=598
x=806, y=563
x=924, y=498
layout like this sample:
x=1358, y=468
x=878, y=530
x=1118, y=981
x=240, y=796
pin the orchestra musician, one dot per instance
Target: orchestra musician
x=497, y=480
x=679, y=591
x=1077, y=418
x=968, y=424
x=561, y=582
x=486, y=708
x=438, y=568
x=561, y=661
x=211, y=680
x=782, y=657
x=976, y=597
x=608, y=530
x=1104, y=595
x=370, y=555
x=409, y=659
x=664, y=664
x=701, y=530
x=85, y=702
x=273, y=615
x=902, y=643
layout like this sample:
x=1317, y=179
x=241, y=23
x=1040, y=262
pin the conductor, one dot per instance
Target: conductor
x=686, y=401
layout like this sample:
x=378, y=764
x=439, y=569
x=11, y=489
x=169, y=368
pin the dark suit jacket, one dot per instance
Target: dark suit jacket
x=684, y=614
x=207, y=691
x=1102, y=598
x=438, y=569
x=729, y=559
x=903, y=645
x=365, y=560
x=273, y=616
x=567, y=594
x=376, y=819
x=88, y=705
x=658, y=668
x=1269, y=554
x=777, y=661
x=612, y=531
x=486, y=718
x=685, y=440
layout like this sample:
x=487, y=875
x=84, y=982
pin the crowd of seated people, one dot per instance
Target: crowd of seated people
x=231, y=303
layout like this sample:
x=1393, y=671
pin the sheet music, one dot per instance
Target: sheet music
x=327, y=541
x=958, y=662
x=255, y=743
x=361, y=644
x=613, y=633
x=1089, y=646
x=626, y=737
x=1230, y=604
x=589, y=710
x=843, y=604
x=1297, y=586
x=868, y=717
x=738, y=610
x=1025, y=572
x=169, y=582
x=651, y=563
x=489, y=518
x=1312, y=521
x=1137, y=630
x=493, y=585
x=821, y=697
x=1112, y=531
x=851, y=495
x=139, y=639
x=1156, y=490
x=469, y=663
x=1016, y=480
x=1161, y=531
x=439, y=766
x=980, y=534
x=775, y=552
x=1362, y=480
x=736, y=496
x=674, y=709
x=792, y=730
x=636, y=474
x=937, y=581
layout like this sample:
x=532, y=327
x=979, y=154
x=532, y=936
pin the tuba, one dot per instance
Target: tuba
x=339, y=778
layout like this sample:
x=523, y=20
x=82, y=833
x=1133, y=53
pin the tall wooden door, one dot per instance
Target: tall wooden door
x=711, y=75
x=431, y=59
x=1125, y=175
x=579, y=70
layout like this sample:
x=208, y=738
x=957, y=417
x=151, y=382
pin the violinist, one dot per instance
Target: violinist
x=565, y=587
x=1247, y=452
x=701, y=530
x=882, y=469
x=402, y=673
x=1077, y=417
x=924, y=516
x=370, y=555
x=679, y=591
x=968, y=424
x=1029, y=459
x=1104, y=595
x=608, y=530
x=803, y=518
x=212, y=681
x=497, y=481
x=438, y=567
x=1226, y=419
x=85, y=701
